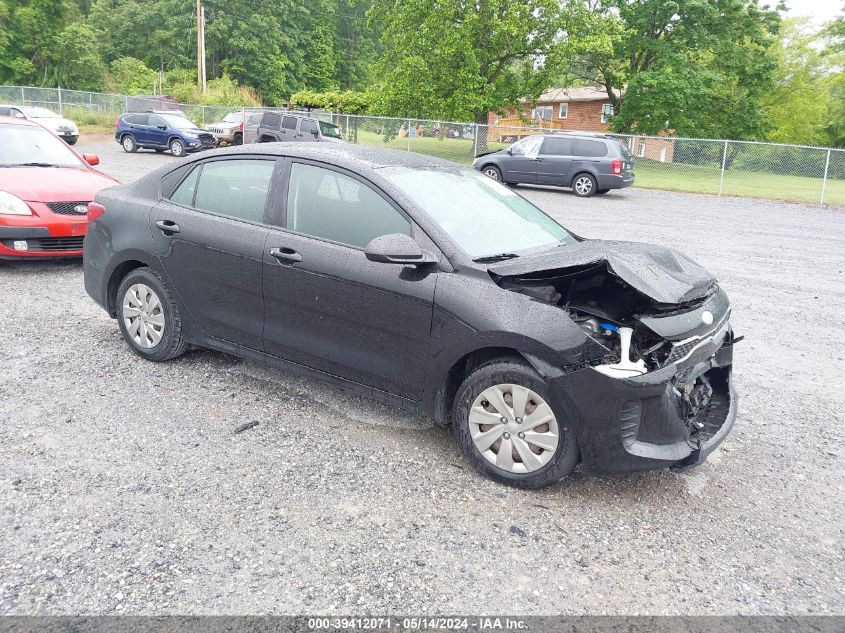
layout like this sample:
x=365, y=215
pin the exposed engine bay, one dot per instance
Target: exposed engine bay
x=642, y=334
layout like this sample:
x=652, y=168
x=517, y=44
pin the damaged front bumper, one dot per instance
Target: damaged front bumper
x=671, y=417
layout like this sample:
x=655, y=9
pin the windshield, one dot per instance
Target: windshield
x=179, y=122
x=329, y=129
x=21, y=144
x=482, y=216
x=232, y=117
x=38, y=113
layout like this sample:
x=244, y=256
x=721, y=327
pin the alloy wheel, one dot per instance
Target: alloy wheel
x=143, y=315
x=514, y=428
x=583, y=185
x=128, y=143
x=491, y=172
x=177, y=148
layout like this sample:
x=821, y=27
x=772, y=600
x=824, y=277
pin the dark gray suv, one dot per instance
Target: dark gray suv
x=589, y=164
x=277, y=126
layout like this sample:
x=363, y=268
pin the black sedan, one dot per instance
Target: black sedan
x=428, y=285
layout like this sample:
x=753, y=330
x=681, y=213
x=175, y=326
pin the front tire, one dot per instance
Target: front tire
x=177, y=148
x=71, y=140
x=584, y=185
x=238, y=139
x=148, y=316
x=511, y=428
x=491, y=171
x=129, y=144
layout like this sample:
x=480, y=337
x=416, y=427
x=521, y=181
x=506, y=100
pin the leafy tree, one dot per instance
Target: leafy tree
x=835, y=55
x=132, y=76
x=694, y=67
x=76, y=58
x=459, y=60
x=797, y=106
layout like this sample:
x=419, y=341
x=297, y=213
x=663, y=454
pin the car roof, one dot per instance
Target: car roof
x=345, y=155
x=591, y=135
x=13, y=120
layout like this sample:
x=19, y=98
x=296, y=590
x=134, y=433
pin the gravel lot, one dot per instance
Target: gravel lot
x=124, y=488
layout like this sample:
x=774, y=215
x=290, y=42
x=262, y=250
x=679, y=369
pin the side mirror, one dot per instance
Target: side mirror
x=91, y=159
x=510, y=151
x=397, y=248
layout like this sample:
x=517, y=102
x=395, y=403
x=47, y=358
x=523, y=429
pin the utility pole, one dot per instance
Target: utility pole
x=199, y=44
x=202, y=57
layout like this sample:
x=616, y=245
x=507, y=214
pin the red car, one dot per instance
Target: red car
x=45, y=188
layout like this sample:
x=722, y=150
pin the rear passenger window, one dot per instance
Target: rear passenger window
x=328, y=205
x=234, y=188
x=139, y=119
x=590, y=149
x=308, y=127
x=557, y=146
x=289, y=123
x=271, y=119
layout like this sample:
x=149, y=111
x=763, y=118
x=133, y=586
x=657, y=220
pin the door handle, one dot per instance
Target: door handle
x=286, y=255
x=168, y=227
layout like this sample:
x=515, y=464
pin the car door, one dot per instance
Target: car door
x=326, y=305
x=287, y=132
x=209, y=235
x=519, y=162
x=139, y=126
x=554, y=162
x=309, y=130
x=157, y=131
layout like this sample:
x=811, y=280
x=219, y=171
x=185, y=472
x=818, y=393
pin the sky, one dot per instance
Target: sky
x=819, y=10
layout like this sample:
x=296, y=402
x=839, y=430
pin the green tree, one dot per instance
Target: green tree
x=460, y=60
x=132, y=76
x=834, y=53
x=797, y=105
x=694, y=67
x=75, y=58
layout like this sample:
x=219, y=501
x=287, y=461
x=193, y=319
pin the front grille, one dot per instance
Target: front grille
x=207, y=138
x=48, y=244
x=682, y=349
x=68, y=208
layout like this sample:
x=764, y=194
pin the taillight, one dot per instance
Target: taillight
x=242, y=126
x=117, y=123
x=95, y=210
x=616, y=166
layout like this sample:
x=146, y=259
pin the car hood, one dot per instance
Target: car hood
x=661, y=273
x=55, y=124
x=53, y=184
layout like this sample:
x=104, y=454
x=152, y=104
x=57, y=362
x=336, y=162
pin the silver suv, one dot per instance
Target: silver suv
x=588, y=163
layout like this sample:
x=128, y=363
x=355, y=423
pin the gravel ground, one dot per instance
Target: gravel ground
x=124, y=488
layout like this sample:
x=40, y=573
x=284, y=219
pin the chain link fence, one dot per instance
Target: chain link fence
x=721, y=167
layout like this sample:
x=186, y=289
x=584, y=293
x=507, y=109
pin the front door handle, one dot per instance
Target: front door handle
x=286, y=255
x=168, y=227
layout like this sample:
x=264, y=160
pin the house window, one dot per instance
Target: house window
x=563, y=111
x=606, y=112
x=543, y=113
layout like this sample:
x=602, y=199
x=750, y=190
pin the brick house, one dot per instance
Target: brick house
x=582, y=109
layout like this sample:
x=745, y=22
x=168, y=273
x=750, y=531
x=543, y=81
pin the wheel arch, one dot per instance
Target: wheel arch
x=590, y=171
x=466, y=364
x=117, y=274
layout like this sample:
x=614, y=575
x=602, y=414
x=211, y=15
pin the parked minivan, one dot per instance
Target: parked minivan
x=588, y=163
x=277, y=126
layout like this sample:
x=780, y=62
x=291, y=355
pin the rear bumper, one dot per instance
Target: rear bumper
x=648, y=422
x=609, y=181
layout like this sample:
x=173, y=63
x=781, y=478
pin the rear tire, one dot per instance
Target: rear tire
x=524, y=453
x=491, y=171
x=129, y=144
x=584, y=185
x=177, y=148
x=148, y=316
x=238, y=139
